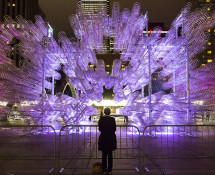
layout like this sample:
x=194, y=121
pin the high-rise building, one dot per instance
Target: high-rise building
x=94, y=8
x=28, y=9
x=208, y=54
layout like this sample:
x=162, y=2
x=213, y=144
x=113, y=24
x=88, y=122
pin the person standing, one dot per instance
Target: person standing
x=125, y=119
x=203, y=115
x=208, y=115
x=107, y=140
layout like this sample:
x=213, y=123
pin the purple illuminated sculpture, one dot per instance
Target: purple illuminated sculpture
x=170, y=56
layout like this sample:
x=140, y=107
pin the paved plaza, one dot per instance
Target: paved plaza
x=31, y=151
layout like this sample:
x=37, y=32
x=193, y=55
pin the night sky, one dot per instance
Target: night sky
x=58, y=11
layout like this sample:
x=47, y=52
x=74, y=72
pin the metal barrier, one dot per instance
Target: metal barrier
x=165, y=148
x=27, y=149
x=80, y=142
x=180, y=148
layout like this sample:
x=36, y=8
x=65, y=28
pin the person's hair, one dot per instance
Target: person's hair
x=107, y=111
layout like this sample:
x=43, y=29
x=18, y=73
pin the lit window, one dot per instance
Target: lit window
x=112, y=95
x=209, y=9
x=209, y=61
x=154, y=79
x=91, y=66
x=203, y=56
x=95, y=68
x=209, y=30
x=13, y=5
x=203, y=64
x=209, y=52
x=31, y=32
x=122, y=68
x=108, y=73
x=107, y=65
x=208, y=0
x=209, y=43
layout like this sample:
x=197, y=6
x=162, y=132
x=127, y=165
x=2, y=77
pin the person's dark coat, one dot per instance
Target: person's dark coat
x=107, y=138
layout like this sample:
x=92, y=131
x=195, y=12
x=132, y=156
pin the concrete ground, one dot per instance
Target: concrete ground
x=28, y=152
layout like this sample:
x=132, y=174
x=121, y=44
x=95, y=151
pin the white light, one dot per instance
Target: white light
x=110, y=103
x=3, y=103
x=155, y=32
x=117, y=111
x=29, y=103
x=50, y=31
x=198, y=102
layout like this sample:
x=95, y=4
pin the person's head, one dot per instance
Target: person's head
x=107, y=111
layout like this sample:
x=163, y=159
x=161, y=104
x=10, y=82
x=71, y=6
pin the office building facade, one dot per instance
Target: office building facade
x=28, y=9
x=208, y=54
x=95, y=8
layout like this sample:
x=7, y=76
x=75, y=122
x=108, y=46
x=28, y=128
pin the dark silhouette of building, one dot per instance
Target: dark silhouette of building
x=28, y=9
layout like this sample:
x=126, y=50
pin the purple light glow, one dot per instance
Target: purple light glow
x=43, y=57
